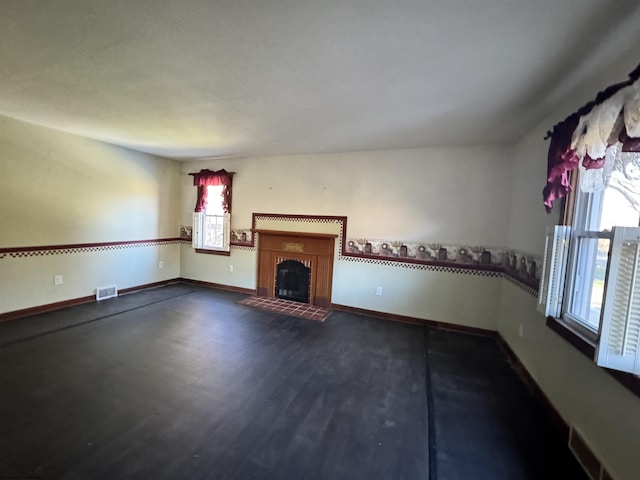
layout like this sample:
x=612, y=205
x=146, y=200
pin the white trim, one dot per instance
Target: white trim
x=196, y=239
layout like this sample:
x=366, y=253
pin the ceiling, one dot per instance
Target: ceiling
x=208, y=78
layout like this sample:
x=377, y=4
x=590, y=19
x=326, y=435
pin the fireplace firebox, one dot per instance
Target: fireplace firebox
x=292, y=281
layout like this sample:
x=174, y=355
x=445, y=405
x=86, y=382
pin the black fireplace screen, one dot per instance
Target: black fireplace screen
x=292, y=281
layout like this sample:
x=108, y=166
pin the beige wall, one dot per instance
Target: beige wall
x=606, y=414
x=440, y=194
x=59, y=189
x=430, y=195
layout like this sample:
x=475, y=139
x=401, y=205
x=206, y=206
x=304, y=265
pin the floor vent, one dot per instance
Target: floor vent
x=587, y=459
x=103, y=293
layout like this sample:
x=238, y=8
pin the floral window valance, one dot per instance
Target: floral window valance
x=602, y=136
x=204, y=178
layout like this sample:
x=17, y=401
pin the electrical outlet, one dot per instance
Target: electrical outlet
x=160, y=264
x=57, y=280
x=521, y=330
x=379, y=291
x=230, y=268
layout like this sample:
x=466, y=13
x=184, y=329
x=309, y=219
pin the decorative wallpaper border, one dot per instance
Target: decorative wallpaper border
x=427, y=266
x=236, y=246
x=520, y=267
x=522, y=286
x=18, y=252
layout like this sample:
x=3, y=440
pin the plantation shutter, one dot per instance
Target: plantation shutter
x=196, y=237
x=554, y=267
x=618, y=346
x=227, y=231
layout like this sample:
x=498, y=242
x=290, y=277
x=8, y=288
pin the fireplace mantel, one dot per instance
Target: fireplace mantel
x=315, y=249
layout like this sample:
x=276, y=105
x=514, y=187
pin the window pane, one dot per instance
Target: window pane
x=621, y=203
x=589, y=288
x=214, y=231
x=597, y=285
x=214, y=200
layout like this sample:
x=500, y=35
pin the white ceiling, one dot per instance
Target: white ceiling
x=198, y=78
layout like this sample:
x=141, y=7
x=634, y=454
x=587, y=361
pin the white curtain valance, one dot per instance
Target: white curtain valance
x=606, y=140
x=620, y=170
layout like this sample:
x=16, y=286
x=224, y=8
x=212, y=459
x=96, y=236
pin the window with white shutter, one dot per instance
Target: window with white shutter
x=212, y=226
x=591, y=275
x=590, y=291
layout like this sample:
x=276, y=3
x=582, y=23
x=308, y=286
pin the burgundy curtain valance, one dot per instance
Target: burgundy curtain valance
x=209, y=177
x=204, y=178
x=583, y=138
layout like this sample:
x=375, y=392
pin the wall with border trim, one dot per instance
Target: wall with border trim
x=94, y=213
x=443, y=195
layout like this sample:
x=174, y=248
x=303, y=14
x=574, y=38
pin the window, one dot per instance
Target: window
x=596, y=215
x=212, y=216
x=212, y=226
x=592, y=272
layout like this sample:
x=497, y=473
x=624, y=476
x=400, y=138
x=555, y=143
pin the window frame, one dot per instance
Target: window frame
x=203, y=180
x=580, y=338
x=582, y=222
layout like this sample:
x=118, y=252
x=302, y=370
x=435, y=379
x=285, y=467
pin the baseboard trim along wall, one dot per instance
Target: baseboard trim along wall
x=415, y=321
x=25, y=312
x=219, y=286
x=50, y=307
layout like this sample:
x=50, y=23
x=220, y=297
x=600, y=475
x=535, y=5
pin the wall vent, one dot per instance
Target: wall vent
x=103, y=293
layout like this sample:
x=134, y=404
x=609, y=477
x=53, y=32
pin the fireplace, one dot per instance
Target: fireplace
x=292, y=281
x=296, y=266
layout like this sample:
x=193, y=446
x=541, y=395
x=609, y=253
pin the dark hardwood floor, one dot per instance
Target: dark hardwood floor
x=196, y=386
x=486, y=424
x=183, y=382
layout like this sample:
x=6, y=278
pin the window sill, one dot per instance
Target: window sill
x=223, y=253
x=588, y=348
x=584, y=345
